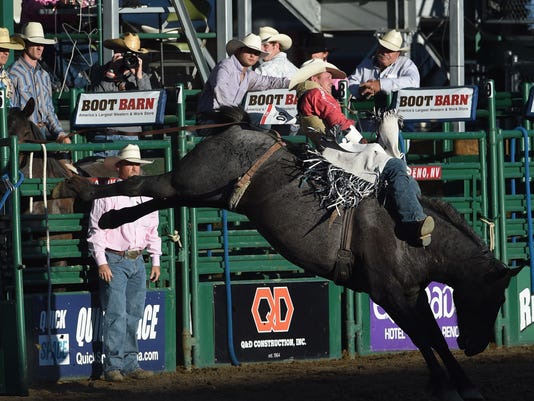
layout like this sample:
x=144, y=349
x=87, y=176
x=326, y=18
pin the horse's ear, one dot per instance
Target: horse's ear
x=501, y=270
x=29, y=107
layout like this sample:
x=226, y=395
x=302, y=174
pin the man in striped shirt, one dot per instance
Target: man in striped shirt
x=31, y=80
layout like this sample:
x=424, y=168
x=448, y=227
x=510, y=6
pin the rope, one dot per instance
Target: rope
x=491, y=226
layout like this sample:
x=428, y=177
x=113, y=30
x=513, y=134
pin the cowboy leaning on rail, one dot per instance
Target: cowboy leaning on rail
x=318, y=110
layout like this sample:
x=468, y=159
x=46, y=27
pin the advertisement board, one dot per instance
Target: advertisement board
x=437, y=104
x=123, y=108
x=273, y=321
x=273, y=106
x=66, y=335
x=387, y=336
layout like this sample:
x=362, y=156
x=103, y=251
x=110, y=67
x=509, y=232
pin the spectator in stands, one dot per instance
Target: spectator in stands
x=319, y=112
x=316, y=47
x=7, y=43
x=123, y=73
x=275, y=63
x=232, y=77
x=30, y=80
x=387, y=71
x=121, y=270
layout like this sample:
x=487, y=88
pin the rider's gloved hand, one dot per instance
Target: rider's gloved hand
x=353, y=135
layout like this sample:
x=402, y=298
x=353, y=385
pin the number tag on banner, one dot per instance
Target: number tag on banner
x=120, y=108
x=438, y=104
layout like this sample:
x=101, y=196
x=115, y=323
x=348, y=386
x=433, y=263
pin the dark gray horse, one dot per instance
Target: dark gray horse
x=393, y=272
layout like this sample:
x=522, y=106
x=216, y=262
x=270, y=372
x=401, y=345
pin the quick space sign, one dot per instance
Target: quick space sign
x=273, y=321
x=387, y=336
x=67, y=335
x=120, y=108
x=438, y=104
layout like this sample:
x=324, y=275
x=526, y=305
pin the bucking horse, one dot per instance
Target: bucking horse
x=255, y=173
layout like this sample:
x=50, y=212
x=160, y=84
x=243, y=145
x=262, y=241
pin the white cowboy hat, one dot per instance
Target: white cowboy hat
x=268, y=34
x=33, y=32
x=251, y=41
x=10, y=42
x=313, y=67
x=130, y=153
x=392, y=40
x=128, y=42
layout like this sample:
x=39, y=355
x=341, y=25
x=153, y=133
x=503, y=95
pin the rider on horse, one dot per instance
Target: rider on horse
x=319, y=111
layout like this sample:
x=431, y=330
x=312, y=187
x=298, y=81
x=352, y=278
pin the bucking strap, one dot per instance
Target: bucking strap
x=345, y=258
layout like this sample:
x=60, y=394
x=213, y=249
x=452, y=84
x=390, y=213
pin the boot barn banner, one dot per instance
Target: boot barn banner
x=123, y=108
x=273, y=106
x=437, y=104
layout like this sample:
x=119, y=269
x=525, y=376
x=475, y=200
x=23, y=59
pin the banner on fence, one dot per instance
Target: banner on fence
x=274, y=106
x=387, y=336
x=123, y=108
x=67, y=332
x=438, y=104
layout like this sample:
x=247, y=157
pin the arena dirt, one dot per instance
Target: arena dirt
x=500, y=373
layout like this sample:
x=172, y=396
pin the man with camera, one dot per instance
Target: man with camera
x=123, y=73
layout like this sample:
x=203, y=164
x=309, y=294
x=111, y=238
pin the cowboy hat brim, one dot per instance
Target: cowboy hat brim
x=14, y=43
x=235, y=44
x=120, y=46
x=312, y=68
x=111, y=161
x=39, y=40
x=284, y=40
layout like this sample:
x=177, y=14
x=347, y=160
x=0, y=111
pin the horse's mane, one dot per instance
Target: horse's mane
x=448, y=212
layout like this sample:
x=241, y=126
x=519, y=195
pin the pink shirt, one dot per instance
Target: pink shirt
x=318, y=102
x=138, y=235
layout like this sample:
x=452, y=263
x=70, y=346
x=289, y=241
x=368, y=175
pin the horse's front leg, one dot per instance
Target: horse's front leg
x=406, y=313
x=463, y=384
x=157, y=186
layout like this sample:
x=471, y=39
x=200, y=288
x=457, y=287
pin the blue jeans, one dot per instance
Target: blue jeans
x=123, y=304
x=405, y=191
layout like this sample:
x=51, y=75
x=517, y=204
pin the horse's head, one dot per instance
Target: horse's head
x=477, y=304
x=18, y=122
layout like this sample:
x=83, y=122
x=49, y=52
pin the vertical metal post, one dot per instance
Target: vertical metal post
x=457, y=50
x=225, y=29
x=4, y=151
x=110, y=26
x=22, y=363
x=244, y=17
x=192, y=40
x=187, y=341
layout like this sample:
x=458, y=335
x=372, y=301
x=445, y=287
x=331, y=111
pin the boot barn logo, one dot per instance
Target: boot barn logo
x=120, y=108
x=441, y=104
x=273, y=106
x=272, y=311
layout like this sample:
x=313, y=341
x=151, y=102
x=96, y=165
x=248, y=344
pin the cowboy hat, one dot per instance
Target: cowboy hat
x=251, y=41
x=33, y=32
x=128, y=42
x=392, y=40
x=268, y=34
x=10, y=42
x=314, y=67
x=316, y=43
x=130, y=153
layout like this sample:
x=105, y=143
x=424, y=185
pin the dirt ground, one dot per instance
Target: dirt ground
x=500, y=373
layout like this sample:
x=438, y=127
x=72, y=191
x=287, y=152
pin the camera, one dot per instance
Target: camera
x=130, y=60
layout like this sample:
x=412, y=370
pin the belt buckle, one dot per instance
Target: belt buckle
x=132, y=254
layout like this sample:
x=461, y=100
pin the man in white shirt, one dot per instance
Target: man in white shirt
x=276, y=63
x=387, y=71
